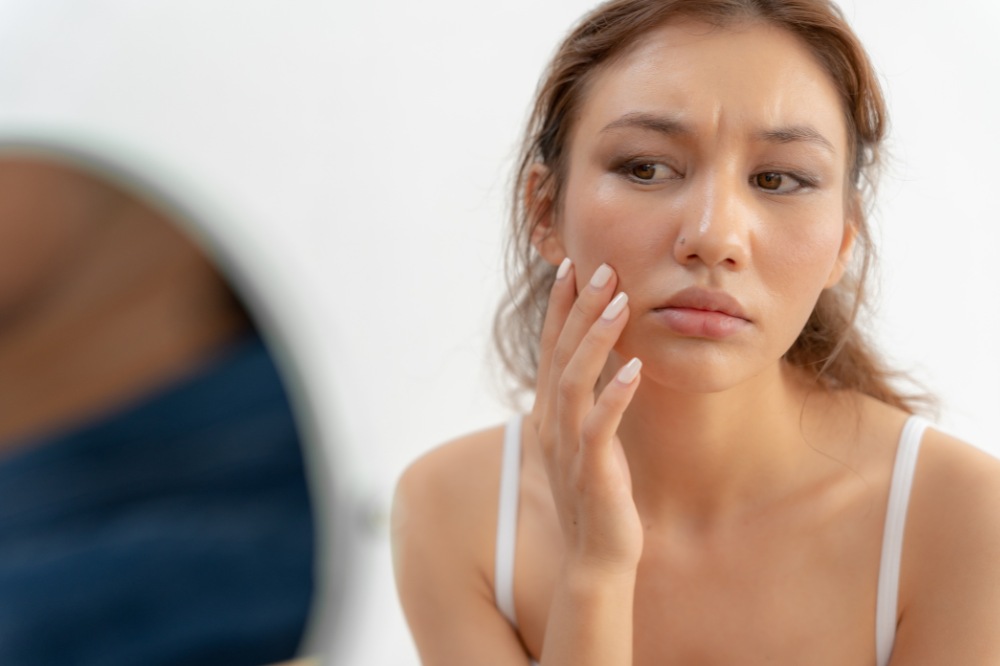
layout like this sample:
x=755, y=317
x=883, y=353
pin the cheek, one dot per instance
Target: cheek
x=804, y=254
x=601, y=223
x=799, y=260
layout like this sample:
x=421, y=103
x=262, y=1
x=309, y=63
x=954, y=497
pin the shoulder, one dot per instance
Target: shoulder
x=443, y=519
x=443, y=539
x=951, y=561
x=955, y=503
x=956, y=490
x=453, y=480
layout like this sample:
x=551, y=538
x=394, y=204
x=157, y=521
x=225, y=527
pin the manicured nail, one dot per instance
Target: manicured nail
x=563, y=268
x=615, y=307
x=601, y=276
x=629, y=371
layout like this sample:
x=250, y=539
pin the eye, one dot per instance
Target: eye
x=778, y=183
x=648, y=172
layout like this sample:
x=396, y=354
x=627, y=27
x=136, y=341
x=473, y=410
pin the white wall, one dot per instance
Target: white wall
x=359, y=152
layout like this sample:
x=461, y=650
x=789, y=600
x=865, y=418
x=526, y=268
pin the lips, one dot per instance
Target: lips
x=702, y=313
x=695, y=298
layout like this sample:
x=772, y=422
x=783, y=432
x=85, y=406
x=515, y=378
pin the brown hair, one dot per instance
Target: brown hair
x=831, y=347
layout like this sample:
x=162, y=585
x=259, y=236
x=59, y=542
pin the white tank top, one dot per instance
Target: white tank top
x=892, y=536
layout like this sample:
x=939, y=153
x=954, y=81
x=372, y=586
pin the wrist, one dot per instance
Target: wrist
x=597, y=578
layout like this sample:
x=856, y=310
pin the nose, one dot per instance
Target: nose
x=715, y=225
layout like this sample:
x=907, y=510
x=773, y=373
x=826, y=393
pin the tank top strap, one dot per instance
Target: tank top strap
x=510, y=484
x=892, y=537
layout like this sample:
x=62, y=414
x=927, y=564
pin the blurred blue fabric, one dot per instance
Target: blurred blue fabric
x=176, y=531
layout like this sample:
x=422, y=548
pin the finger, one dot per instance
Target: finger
x=601, y=424
x=581, y=374
x=561, y=298
x=587, y=308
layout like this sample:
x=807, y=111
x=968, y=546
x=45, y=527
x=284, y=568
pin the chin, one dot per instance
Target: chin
x=690, y=381
x=701, y=367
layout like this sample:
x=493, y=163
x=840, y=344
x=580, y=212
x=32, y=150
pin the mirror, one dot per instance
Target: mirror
x=155, y=503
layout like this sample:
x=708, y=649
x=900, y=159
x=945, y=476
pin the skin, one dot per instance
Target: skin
x=715, y=509
x=102, y=299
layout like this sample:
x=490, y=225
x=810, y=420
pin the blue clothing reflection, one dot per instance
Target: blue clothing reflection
x=178, y=530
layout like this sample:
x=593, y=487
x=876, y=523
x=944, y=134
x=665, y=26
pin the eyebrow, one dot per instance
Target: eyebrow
x=794, y=134
x=671, y=126
x=648, y=121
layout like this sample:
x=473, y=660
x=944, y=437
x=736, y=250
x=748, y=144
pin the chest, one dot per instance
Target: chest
x=795, y=589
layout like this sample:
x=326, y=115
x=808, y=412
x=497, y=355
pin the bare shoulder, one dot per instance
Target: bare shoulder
x=951, y=561
x=452, y=480
x=448, y=492
x=956, y=492
x=956, y=498
x=443, y=540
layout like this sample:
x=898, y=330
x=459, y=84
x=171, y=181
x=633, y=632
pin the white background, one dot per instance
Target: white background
x=353, y=159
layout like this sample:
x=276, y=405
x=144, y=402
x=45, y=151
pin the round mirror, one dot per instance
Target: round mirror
x=156, y=505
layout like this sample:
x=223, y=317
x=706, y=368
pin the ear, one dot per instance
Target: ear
x=539, y=202
x=851, y=222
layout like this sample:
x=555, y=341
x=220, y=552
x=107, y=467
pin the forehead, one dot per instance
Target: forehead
x=733, y=80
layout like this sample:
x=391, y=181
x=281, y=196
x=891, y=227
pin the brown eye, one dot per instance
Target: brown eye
x=768, y=181
x=776, y=182
x=647, y=173
x=644, y=171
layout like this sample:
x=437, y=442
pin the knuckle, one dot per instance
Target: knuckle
x=561, y=357
x=613, y=397
x=569, y=387
x=595, y=341
x=591, y=430
x=582, y=309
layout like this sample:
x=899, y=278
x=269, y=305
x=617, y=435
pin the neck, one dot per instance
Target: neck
x=701, y=457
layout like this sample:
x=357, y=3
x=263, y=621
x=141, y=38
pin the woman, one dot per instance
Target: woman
x=716, y=468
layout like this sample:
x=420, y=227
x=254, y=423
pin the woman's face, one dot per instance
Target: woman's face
x=707, y=167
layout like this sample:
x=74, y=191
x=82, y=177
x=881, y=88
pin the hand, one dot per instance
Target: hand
x=584, y=458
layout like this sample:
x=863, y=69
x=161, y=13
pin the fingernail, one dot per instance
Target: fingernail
x=601, y=276
x=563, y=268
x=615, y=307
x=629, y=371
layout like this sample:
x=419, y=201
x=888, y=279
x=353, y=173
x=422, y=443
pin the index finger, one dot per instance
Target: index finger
x=561, y=298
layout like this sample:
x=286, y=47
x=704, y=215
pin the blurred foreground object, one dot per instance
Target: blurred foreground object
x=154, y=506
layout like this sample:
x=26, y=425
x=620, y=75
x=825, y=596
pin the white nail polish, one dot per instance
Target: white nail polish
x=615, y=307
x=601, y=276
x=563, y=268
x=629, y=371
